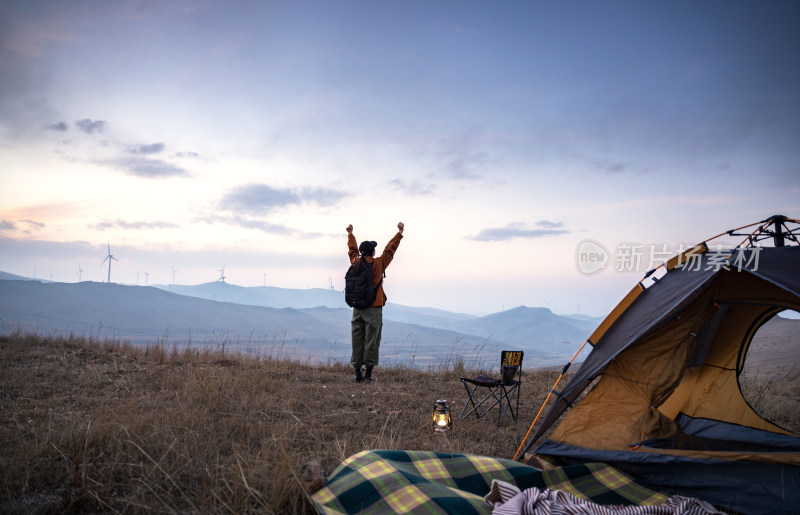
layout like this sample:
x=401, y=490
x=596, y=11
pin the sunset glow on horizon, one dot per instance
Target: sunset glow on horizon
x=189, y=136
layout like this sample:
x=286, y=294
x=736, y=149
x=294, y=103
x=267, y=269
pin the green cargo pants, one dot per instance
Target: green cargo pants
x=366, y=333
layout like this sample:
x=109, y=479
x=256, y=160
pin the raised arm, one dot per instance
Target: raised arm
x=391, y=247
x=352, y=245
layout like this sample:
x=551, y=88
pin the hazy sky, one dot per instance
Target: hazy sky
x=196, y=135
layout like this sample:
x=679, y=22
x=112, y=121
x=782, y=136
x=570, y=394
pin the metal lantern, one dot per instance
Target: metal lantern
x=442, y=423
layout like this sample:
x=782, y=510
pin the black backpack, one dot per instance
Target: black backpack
x=358, y=290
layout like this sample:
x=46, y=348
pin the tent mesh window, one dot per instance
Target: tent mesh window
x=770, y=379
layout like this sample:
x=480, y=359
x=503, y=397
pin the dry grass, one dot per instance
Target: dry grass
x=108, y=427
x=775, y=397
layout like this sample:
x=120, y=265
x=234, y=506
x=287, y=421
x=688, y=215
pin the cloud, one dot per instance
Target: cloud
x=34, y=223
x=26, y=249
x=187, y=154
x=261, y=199
x=148, y=168
x=259, y=225
x=321, y=196
x=613, y=168
x=90, y=126
x=135, y=160
x=251, y=203
x=414, y=188
x=132, y=159
x=520, y=230
x=9, y=225
x=547, y=224
x=136, y=225
x=258, y=198
x=459, y=158
x=466, y=164
x=58, y=127
x=609, y=167
x=152, y=148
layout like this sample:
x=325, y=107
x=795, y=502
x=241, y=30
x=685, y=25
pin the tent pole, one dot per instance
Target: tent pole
x=730, y=231
x=779, y=241
x=563, y=371
x=759, y=230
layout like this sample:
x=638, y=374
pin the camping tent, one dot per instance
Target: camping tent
x=661, y=395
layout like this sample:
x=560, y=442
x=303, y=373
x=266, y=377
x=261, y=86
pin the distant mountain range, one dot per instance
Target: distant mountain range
x=311, y=324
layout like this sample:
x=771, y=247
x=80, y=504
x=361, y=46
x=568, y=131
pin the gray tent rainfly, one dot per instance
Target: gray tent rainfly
x=662, y=397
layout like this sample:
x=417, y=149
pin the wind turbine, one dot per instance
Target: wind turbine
x=221, y=274
x=146, y=276
x=173, y=275
x=108, y=258
x=80, y=272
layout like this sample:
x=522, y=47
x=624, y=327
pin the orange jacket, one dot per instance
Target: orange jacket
x=379, y=264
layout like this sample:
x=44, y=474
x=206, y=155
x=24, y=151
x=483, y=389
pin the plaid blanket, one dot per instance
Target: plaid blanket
x=433, y=482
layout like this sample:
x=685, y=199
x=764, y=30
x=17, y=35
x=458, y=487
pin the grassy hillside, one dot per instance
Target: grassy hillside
x=109, y=427
x=146, y=315
x=112, y=427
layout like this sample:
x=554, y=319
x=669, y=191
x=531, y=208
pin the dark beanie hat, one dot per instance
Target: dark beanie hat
x=367, y=248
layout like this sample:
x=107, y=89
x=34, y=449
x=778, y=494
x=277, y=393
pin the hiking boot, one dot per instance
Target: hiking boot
x=359, y=377
x=368, y=375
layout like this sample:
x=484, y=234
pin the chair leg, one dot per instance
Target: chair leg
x=466, y=404
x=478, y=404
x=511, y=397
x=503, y=409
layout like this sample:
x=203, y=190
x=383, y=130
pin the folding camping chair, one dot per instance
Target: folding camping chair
x=503, y=392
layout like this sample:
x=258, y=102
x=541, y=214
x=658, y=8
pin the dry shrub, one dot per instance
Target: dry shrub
x=88, y=426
